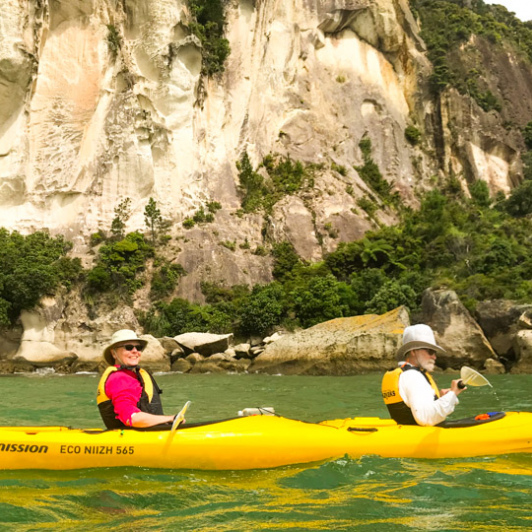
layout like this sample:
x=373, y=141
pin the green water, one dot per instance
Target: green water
x=485, y=494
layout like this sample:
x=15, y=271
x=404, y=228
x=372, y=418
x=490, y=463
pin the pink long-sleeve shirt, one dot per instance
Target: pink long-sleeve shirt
x=124, y=390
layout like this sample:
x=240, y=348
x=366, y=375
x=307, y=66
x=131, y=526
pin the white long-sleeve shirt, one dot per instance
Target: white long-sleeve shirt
x=418, y=394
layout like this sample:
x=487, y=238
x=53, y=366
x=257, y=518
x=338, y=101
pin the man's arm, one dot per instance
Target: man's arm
x=419, y=396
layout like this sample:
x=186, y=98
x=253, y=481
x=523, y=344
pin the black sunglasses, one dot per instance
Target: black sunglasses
x=130, y=347
x=431, y=352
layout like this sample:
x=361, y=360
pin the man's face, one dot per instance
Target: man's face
x=424, y=358
x=127, y=353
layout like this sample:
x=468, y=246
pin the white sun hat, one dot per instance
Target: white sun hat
x=123, y=335
x=418, y=337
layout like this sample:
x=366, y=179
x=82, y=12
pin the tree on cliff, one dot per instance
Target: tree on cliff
x=31, y=267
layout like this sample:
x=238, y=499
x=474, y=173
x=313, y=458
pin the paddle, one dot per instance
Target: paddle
x=179, y=418
x=177, y=421
x=472, y=377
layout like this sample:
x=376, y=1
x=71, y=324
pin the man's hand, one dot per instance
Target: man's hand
x=455, y=388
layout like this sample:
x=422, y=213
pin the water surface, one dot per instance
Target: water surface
x=377, y=494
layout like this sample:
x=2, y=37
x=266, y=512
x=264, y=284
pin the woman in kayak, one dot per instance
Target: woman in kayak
x=128, y=395
x=409, y=391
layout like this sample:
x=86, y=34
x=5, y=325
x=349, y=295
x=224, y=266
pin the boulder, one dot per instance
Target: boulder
x=493, y=367
x=15, y=366
x=242, y=350
x=523, y=350
x=181, y=366
x=205, y=344
x=217, y=364
x=500, y=320
x=169, y=344
x=343, y=346
x=154, y=356
x=43, y=355
x=206, y=366
x=86, y=366
x=193, y=358
x=273, y=338
x=37, y=342
x=455, y=330
x=178, y=352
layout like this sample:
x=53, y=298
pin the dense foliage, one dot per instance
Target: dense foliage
x=284, y=177
x=31, y=267
x=208, y=26
x=479, y=248
x=446, y=25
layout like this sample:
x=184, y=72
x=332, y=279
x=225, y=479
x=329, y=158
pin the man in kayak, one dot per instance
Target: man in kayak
x=128, y=395
x=409, y=391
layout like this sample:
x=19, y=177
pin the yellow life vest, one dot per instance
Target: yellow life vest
x=398, y=409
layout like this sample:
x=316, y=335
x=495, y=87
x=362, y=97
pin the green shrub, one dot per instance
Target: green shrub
x=318, y=301
x=260, y=251
x=527, y=135
x=263, y=310
x=527, y=165
x=165, y=279
x=252, y=186
x=285, y=177
x=114, y=41
x=229, y=244
x=119, y=264
x=213, y=206
x=97, y=238
x=412, y=135
x=520, y=201
x=285, y=260
x=367, y=205
x=480, y=193
x=31, y=267
x=372, y=176
x=208, y=26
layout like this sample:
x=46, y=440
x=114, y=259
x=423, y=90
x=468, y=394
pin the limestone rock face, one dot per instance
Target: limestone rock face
x=455, y=330
x=99, y=102
x=102, y=100
x=343, y=346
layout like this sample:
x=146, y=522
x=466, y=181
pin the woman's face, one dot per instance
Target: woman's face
x=128, y=353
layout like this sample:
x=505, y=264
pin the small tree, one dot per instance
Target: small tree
x=153, y=218
x=122, y=215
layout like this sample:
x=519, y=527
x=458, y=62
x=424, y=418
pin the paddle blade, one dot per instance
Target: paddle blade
x=471, y=377
x=180, y=417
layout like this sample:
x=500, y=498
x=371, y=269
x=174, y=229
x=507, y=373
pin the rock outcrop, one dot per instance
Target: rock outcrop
x=500, y=321
x=523, y=348
x=456, y=331
x=344, y=346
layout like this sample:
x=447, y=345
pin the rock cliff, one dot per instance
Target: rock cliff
x=103, y=100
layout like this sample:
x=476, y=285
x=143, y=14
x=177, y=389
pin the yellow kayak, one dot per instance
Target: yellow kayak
x=258, y=442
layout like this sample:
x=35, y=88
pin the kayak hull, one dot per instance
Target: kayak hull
x=256, y=442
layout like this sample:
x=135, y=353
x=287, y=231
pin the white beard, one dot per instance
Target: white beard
x=428, y=365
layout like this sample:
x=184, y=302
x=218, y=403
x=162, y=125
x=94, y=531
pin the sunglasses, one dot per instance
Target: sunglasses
x=130, y=347
x=431, y=352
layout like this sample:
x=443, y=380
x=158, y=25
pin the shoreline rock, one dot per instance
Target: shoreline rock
x=343, y=346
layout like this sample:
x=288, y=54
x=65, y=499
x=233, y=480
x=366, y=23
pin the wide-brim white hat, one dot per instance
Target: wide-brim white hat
x=123, y=335
x=418, y=336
